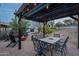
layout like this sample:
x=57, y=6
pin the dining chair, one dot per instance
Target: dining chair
x=45, y=48
x=61, y=47
x=37, y=46
x=57, y=35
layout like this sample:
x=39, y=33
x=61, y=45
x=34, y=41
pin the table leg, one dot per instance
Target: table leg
x=50, y=50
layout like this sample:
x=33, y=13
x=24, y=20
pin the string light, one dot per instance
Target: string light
x=47, y=7
x=27, y=9
x=34, y=4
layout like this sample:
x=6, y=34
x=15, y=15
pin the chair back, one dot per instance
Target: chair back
x=57, y=35
x=12, y=38
x=65, y=42
x=36, y=42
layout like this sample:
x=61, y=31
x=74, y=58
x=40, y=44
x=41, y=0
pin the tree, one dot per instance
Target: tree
x=59, y=24
x=67, y=22
x=75, y=22
x=24, y=25
x=14, y=24
x=48, y=30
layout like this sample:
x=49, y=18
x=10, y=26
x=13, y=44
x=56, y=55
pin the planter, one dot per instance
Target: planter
x=23, y=38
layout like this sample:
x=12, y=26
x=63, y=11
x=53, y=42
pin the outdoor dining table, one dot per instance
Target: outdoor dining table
x=51, y=41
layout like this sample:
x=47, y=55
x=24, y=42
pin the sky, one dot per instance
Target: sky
x=7, y=11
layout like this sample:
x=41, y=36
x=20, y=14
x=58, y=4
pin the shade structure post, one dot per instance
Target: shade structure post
x=78, y=34
x=5, y=28
x=77, y=19
x=78, y=30
x=19, y=33
x=44, y=23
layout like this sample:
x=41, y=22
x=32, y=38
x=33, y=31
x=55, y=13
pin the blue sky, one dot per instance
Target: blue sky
x=7, y=11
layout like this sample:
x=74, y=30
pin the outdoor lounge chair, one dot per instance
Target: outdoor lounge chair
x=61, y=47
x=12, y=39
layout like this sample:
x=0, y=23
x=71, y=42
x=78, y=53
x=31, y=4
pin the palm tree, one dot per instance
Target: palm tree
x=14, y=24
x=67, y=22
x=59, y=24
x=24, y=25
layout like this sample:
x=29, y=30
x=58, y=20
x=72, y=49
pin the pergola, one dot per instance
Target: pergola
x=3, y=26
x=44, y=12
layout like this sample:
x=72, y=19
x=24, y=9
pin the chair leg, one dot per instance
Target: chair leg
x=65, y=51
x=9, y=44
x=14, y=44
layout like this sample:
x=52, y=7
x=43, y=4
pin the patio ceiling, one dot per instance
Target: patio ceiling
x=43, y=12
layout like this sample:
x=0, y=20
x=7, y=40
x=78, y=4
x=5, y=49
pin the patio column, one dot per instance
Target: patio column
x=77, y=19
x=5, y=28
x=78, y=34
x=44, y=23
x=19, y=33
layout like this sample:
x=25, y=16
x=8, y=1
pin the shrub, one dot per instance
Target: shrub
x=48, y=30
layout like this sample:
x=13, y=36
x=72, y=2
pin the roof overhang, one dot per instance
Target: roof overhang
x=40, y=13
x=3, y=25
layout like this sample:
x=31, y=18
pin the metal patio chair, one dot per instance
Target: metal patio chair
x=40, y=47
x=37, y=46
x=45, y=48
x=61, y=47
x=12, y=40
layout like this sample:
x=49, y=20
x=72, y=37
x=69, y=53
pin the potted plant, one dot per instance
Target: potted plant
x=24, y=37
x=24, y=27
x=24, y=30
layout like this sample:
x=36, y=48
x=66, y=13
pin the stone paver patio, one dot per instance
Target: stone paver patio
x=28, y=50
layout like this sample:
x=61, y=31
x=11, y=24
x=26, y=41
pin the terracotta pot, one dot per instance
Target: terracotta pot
x=23, y=38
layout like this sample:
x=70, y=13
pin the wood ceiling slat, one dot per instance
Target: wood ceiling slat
x=54, y=11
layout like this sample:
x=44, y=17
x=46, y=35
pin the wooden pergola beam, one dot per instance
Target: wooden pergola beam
x=34, y=10
x=64, y=9
x=74, y=18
